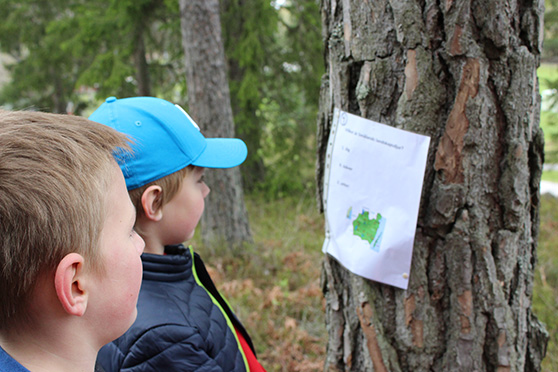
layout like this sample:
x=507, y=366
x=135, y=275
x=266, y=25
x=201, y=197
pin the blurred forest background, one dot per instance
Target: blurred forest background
x=67, y=56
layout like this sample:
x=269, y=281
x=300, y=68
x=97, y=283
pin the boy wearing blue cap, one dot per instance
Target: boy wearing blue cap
x=183, y=323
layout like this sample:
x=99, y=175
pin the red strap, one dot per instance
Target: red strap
x=253, y=363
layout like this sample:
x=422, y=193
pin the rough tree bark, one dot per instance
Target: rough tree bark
x=225, y=218
x=464, y=73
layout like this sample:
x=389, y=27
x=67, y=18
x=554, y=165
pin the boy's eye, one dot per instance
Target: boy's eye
x=202, y=179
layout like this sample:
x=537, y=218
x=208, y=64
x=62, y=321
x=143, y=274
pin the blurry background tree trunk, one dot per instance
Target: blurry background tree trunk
x=463, y=73
x=225, y=216
x=142, y=68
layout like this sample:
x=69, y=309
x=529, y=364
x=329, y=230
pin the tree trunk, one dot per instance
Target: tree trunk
x=225, y=218
x=59, y=100
x=140, y=61
x=464, y=73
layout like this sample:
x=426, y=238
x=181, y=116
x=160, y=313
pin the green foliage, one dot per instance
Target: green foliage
x=249, y=29
x=545, y=291
x=73, y=54
x=303, y=46
x=548, y=80
x=292, y=95
x=42, y=75
x=287, y=149
x=111, y=32
x=551, y=176
x=73, y=51
x=98, y=23
x=550, y=29
x=547, y=74
x=548, y=86
x=549, y=124
x=275, y=66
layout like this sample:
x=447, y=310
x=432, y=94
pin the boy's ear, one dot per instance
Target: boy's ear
x=69, y=280
x=149, y=202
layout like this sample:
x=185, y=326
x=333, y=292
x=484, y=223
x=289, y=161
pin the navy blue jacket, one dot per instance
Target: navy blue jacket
x=183, y=323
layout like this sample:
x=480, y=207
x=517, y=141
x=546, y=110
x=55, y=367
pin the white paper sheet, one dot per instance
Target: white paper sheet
x=372, y=189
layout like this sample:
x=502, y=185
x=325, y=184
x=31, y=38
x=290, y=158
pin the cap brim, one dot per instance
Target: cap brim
x=222, y=153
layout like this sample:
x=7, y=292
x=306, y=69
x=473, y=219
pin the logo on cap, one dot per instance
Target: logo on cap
x=188, y=116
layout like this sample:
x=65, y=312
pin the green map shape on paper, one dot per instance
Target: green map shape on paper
x=366, y=228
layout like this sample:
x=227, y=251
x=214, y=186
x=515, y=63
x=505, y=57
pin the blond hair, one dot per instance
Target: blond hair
x=170, y=185
x=55, y=171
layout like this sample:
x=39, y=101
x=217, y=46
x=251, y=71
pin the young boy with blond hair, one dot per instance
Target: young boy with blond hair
x=183, y=323
x=70, y=268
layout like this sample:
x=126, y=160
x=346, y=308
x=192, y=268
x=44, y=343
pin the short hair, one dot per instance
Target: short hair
x=170, y=186
x=55, y=171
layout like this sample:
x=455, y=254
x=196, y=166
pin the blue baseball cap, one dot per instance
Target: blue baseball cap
x=164, y=139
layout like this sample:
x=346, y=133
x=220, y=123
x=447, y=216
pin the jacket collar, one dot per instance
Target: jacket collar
x=174, y=265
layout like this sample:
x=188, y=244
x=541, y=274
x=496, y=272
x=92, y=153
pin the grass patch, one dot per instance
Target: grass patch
x=546, y=72
x=551, y=176
x=274, y=284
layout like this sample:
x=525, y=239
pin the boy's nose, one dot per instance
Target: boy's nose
x=140, y=244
